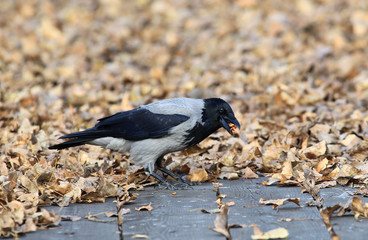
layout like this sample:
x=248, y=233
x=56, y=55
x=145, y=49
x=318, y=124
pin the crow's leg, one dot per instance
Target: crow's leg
x=159, y=166
x=149, y=170
x=171, y=174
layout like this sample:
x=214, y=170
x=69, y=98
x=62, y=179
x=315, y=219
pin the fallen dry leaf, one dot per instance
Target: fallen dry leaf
x=197, y=175
x=144, y=208
x=326, y=214
x=316, y=150
x=278, y=233
x=248, y=173
x=278, y=202
x=295, y=114
x=29, y=226
x=322, y=165
x=359, y=209
x=350, y=141
x=221, y=222
x=112, y=213
x=286, y=172
x=17, y=211
x=217, y=186
x=362, y=191
x=140, y=236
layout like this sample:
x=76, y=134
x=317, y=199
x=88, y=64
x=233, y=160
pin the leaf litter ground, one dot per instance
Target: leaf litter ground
x=295, y=74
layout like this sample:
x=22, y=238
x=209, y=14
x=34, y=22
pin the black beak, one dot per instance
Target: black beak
x=225, y=121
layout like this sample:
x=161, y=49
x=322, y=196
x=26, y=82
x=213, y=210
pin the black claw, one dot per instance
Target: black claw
x=181, y=183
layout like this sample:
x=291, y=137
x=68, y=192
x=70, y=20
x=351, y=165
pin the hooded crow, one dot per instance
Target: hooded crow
x=154, y=130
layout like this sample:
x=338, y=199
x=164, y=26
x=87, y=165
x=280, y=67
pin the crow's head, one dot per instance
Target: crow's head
x=218, y=113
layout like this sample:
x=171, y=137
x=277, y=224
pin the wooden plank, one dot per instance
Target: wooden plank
x=173, y=216
x=249, y=192
x=345, y=226
x=178, y=216
x=83, y=229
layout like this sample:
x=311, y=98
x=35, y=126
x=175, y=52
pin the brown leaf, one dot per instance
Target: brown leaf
x=326, y=214
x=359, y=152
x=221, y=222
x=125, y=211
x=29, y=226
x=285, y=102
x=28, y=184
x=326, y=184
x=347, y=170
x=46, y=219
x=6, y=220
x=316, y=150
x=362, y=191
x=334, y=173
x=107, y=189
x=358, y=208
x=216, y=186
x=230, y=203
x=278, y=202
x=278, y=233
x=197, y=175
x=320, y=131
x=322, y=165
x=309, y=184
x=17, y=211
x=144, y=208
x=228, y=173
x=248, y=173
x=272, y=154
x=228, y=159
x=286, y=172
x=350, y=141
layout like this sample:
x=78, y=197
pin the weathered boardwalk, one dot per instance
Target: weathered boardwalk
x=178, y=216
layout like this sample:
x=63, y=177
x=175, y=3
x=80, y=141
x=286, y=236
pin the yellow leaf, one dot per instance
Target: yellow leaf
x=278, y=233
x=142, y=236
x=322, y=165
x=197, y=175
x=145, y=208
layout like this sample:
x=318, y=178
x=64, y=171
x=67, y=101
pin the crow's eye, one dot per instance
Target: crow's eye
x=222, y=110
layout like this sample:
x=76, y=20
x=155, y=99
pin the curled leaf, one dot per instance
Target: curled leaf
x=144, y=208
x=221, y=222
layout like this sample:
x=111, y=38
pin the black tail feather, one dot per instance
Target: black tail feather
x=82, y=134
x=80, y=138
x=71, y=143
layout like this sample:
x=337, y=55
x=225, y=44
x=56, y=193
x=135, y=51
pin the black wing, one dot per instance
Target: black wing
x=139, y=124
x=134, y=125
